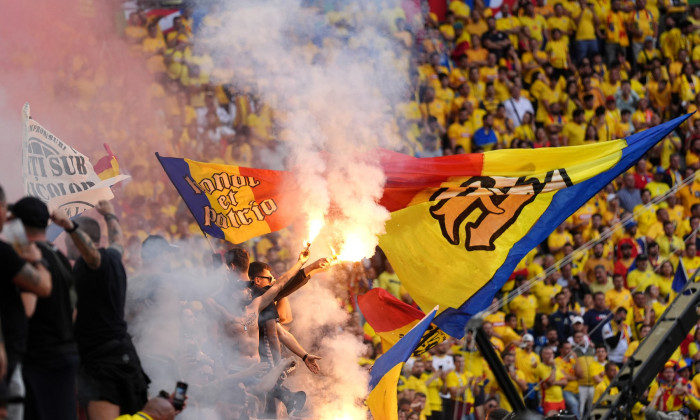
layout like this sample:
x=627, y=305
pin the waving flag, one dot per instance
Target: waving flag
x=680, y=278
x=385, y=373
x=108, y=166
x=460, y=224
x=391, y=319
x=58, y=174
x=231, y=202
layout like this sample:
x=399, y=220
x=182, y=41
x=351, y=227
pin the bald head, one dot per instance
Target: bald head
x=159, y=409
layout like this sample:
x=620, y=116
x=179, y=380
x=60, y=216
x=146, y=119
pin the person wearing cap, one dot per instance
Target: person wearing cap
x=526, y=361
x=51, y=361
x=26, y=272
x=668, y=391
x=110, y=378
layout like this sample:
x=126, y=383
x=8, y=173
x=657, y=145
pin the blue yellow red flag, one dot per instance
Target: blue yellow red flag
x=392, y=319
x=232, y=202
x=460, y=224
x=385, y=373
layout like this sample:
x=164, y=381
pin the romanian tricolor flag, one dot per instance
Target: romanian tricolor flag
x=392, y=319
x=108, y=166
x=231, y=202
x=385, y=373
x=460, y=224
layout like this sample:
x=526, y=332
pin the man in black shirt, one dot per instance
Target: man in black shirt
x=28, y=273
x=110, y=378
x=494, y=40
x=51, y=361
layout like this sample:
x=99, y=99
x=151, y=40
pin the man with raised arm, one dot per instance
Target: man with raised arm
x=241, y=319
x=110, y=379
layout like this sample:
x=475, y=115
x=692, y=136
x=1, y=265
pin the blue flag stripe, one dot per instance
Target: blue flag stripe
x=177, y=169
x=401, y=351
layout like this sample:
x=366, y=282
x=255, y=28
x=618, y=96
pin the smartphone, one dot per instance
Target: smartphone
x=179, y=397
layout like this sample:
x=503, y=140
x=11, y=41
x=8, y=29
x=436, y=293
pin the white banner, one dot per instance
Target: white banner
x=54, y=171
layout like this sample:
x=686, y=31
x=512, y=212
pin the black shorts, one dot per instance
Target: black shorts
x=113, y=373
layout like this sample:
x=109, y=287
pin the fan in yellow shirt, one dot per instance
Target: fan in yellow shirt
x=562, y=22
x=574, y=132
x=533, y=24
x=552, y=381
x=558, y=50
x=687, y=85
x=432, y=107
x=460, y=132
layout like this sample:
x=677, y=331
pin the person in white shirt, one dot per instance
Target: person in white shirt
x=517, y=106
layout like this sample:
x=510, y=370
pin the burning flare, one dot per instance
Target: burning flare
x=353, y=249
x=315, y=226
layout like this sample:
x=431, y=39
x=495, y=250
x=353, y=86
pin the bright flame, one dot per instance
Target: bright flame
x=340, y=416
x=347, y=412
x=353, y=249
x=315, y=226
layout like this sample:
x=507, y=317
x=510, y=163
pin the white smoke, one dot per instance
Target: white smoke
x=332, y=87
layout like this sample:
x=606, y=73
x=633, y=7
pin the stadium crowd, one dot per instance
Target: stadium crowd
x=530, y=75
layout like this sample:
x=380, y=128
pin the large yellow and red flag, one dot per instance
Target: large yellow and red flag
x=231, y=202
x=460, y=224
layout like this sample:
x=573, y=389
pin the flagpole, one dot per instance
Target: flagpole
x=213, y=250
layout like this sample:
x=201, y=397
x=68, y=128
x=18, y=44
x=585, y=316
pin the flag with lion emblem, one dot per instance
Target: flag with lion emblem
x=460, y=224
